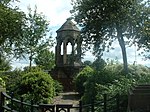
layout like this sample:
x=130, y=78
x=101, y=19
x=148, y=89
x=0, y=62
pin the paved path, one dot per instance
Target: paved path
x=67, y=98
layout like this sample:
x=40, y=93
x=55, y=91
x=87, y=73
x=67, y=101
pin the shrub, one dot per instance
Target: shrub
x=81, y=78
x=105, y=77
x=37, y=86
x=58, y=87
x=32, y=69
x=11, y=78
x=112, y=81
x=2, y=83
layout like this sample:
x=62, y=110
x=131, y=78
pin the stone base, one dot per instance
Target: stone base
x=65, y=76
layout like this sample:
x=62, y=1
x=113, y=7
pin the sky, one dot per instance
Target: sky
x=57, y=11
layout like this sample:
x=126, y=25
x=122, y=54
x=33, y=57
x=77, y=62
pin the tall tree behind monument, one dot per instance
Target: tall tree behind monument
x=104, y=21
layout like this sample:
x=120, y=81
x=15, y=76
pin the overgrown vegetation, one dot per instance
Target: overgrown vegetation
x=81, y=78
x=31, y=84
x=110, y=80
x=37, y=86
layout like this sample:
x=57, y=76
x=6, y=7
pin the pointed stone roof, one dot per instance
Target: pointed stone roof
x=68, y=25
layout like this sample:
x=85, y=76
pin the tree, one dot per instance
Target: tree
x=4, y=64
x=87, y=63
x=2, y=83
x=143, y=32
x=98, y=64
x=11, y=21
x=45, y=59
x=104, y=21
x=34, y=37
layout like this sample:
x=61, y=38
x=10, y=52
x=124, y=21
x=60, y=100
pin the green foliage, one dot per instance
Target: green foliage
x=37, y=86
x=81, y=78
x=35, y=36
x=112, y=81
x=103, y=78
x=11, y=21
x=98, y=64
x=104, y=21
x=12, y=79
x=2, y=83
x=45, y=59
x=4, y=64
x=144, y=31
x=140, y=74
x=98, y=17
x=32, y=69
x=121, y=86
x=58, y=87
x=30, y=84
x=87, y=63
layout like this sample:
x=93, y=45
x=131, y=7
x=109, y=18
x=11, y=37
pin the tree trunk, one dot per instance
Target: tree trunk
x=30, y=65
x=123, y=49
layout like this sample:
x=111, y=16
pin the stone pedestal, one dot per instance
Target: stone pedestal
x=65, y=76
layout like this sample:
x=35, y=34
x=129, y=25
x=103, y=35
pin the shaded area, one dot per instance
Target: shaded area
x=67, y=98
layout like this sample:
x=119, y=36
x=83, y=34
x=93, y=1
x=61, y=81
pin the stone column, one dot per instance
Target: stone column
x=58, y=54
x=72, y=54
x=79, y=52
x=64, y=53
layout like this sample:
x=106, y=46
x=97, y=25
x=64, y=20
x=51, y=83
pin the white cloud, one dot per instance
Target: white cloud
x=56, y=11
x=19, y=63
x=132, y=55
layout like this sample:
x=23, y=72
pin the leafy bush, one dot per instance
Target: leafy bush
x=4, y=64
x=58, y=87
x=45, y=59
x=81, y=78
x=140, y=74
x=103, y=78
x=112, y=81
x=98, y=64
x=32, y=69
x=2, y=82
x=37, y=86
x=11, y=78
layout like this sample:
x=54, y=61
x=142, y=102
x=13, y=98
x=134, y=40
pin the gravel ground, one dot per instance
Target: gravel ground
x=67, y=98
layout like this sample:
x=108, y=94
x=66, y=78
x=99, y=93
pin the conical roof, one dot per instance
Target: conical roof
x=68, y=25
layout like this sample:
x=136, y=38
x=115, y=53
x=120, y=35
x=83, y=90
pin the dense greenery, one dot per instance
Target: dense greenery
x=81, y=78
x=45, y=59
x=111, y=80
x=104, y=21
x=22, y=35
x=11, y=21
x=12, y=79
x=4, y=64
x=35, y=36
x=2, y=83
x=37, y=86
x=31, y=84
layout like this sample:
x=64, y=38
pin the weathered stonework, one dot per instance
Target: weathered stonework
x=67, y=65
